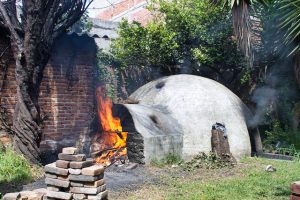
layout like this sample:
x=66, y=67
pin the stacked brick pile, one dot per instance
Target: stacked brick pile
x=295, y=189
x=74, y=177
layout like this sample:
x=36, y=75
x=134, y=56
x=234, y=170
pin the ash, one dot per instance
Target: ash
x=120, y=177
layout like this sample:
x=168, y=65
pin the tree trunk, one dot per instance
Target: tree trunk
x=27, y=121
x=296, y=60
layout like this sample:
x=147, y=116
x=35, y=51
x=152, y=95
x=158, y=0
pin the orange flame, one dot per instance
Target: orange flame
x=113, y=139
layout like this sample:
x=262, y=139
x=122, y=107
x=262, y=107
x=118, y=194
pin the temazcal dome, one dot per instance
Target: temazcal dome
x=183, y=109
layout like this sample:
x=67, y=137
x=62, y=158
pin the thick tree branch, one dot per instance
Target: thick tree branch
x=15, y=38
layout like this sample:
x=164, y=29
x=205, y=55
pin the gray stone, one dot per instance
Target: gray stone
x=76, y=184
x=62, y=164
x=11, y=196
x=48, y=175
x=51, y=168
x=67, y=157
x=56, y=182
x=132, y=166
x=53, y=188
x=84, y=178
x=59, y=195
x=101, y=196
x=80, y=165
x=41, y=190
x=95, y=184
x=70, y=150
x=79, y=196
x=84, y=190
x=74, y=171
x=93, y=170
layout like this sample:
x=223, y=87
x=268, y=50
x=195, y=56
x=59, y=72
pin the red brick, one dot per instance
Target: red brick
x=295, y=188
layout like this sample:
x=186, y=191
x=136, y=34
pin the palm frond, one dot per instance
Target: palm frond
x=290, y=22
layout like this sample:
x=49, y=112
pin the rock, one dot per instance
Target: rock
x=70, y=150
x=76, y=184
x=74, y=171
x=30, y=195
x=95, y=184
x=93, y=170
x=51, y=168
x=295, y=187
x=131, y=166
x=79, y=196
x=80, y=165
x=294, y=197
x=84, y=178
x=59, y=195
x=62, y=164
x=67, y=157
x=41, y=190
x=56, y=182
x=270, y=168
x=48, y=175
x=52, y=188
x=84, y=190
x=100, y=196
x=11, y=196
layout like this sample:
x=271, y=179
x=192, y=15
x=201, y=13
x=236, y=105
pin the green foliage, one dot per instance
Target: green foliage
x=13, y=167
x=187, y=33
x=290, y=20
x=170, y=159
x=207, y=161
x=289, y=139
x=290, y=151
x=246, y=76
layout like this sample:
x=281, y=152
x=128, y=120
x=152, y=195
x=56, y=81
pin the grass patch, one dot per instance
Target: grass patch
x=252, y=182
x=247, y=180
x=14, y=167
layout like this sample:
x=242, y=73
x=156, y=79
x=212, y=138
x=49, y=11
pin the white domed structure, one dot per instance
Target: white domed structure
x=184, y=108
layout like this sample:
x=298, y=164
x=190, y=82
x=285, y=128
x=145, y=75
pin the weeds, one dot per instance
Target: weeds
x=170, y=159
x=13, y=167
x=208, y=161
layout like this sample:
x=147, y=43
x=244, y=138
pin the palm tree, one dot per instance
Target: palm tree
x=290, y=23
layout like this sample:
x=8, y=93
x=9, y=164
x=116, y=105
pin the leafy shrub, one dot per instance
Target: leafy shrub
x=208, y=161
x=281, y=140
x=13, y=167
x=170, y=159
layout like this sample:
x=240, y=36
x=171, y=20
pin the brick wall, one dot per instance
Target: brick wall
x=66, y=93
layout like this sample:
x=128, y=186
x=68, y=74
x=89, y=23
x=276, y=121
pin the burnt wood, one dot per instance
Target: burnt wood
x=220, y=145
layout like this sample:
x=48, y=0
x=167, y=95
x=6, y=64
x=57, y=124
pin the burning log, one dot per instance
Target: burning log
x=99, y=153
x=110, y=145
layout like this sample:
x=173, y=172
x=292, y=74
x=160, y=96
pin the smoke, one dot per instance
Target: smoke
x=278, y=92
x=265, y=99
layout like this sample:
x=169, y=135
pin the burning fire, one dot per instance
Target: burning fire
x=112, y=142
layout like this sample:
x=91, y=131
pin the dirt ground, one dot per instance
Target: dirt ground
x=147, y=182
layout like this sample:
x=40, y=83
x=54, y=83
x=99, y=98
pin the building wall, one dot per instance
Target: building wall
x=132, y=10
x=66, y=94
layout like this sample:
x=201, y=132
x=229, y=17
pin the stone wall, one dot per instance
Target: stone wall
x=66, y=93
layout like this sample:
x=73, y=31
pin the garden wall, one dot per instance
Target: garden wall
x=66, y=93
